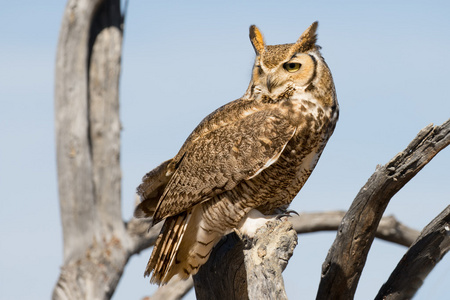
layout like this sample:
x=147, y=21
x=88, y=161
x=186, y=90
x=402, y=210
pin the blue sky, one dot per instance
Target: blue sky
x=181, y=60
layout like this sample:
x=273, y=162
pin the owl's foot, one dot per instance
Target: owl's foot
x=251, y=223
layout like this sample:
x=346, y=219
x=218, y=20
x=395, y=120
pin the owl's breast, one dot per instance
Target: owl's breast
x=315, y=124
x=303, y=110
x=277, y=185
x=282, y=181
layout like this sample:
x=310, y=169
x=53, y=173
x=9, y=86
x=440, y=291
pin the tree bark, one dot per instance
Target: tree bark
x=347, y=256
x=88, y=149
x=174, y=290
x=267, y=257
x=72, y=129
x=248, y=268
x=431, y=246
x=389, y=229
x=227, y=263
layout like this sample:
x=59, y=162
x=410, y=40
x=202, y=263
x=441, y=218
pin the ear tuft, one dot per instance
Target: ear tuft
x=308, y=38
x=257, y=39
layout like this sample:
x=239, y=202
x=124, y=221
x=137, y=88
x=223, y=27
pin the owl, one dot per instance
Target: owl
x=245, y=160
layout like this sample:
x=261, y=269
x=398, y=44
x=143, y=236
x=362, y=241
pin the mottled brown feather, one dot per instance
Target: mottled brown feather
x=166, y=247
x=253, y=153
x=200, y=177
x=151, y=190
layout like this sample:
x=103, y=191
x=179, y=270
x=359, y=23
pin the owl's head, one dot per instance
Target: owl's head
x=298, y=66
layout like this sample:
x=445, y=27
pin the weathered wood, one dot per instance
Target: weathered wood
x=227, y=263
x=346, y=258
x=431, y=246
x=266, y=259
x=248, y=268
x=175, y=289
x=105, y=45
x=389, y=228
x=88, y=144
x=393, y=231
x=74, y=164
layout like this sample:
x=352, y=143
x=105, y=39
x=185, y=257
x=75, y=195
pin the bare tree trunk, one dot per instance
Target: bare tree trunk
x=88, y=149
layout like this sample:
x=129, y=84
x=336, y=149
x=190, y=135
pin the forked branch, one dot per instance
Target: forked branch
x=346, y=258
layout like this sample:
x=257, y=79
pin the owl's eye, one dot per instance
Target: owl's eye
x=292, y=67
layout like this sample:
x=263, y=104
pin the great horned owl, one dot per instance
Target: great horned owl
x=251, y=155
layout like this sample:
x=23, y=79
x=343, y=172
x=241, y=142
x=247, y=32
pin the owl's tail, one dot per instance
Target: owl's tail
x=183, y=245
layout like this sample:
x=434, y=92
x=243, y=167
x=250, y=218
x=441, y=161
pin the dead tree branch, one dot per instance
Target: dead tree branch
x=174, y=290
x=431, y=246
x=346, y=258
x=248, y=269
x=389, y=229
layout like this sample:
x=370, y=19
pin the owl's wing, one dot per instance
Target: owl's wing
x=152, y=188
x=218, y=160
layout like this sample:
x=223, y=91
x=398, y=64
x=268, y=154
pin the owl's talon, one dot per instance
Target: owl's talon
x=291, y=211
x=288, y=214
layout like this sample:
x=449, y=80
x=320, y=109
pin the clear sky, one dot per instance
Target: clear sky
x=183, y=59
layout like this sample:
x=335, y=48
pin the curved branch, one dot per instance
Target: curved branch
x=347, y=256
x=431, y=246
x=389, y=229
